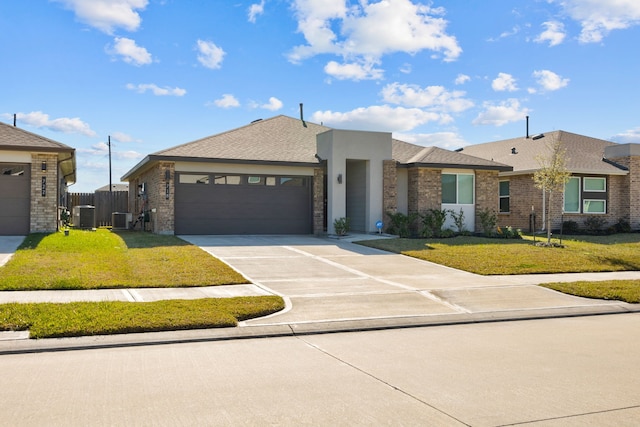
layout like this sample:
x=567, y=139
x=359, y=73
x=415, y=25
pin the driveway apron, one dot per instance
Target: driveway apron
x=324, y=280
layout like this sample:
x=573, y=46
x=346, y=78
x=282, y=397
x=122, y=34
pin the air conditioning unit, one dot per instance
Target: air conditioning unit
x=84, y=216
x=121, y=220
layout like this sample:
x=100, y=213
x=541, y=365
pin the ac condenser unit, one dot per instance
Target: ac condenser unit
x=84, y=216
x=121, y=220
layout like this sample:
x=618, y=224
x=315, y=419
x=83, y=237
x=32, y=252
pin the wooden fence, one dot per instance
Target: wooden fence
x=105, y=203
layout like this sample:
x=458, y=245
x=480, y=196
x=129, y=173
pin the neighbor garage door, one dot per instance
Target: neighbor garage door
x=242, y=204
x=15, y=190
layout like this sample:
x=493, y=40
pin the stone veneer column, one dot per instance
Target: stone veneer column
x=318, y=201
x=44, y=209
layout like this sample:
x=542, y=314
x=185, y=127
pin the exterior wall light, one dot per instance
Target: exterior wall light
x=339, y=178
x=44, y=166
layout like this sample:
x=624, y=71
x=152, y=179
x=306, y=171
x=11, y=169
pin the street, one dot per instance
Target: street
x=554, y=372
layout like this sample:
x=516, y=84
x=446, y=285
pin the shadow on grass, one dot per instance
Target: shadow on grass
x=32, y=241
x=140, y=239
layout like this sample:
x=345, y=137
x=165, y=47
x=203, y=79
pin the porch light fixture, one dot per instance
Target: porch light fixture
x=167, y=175
x=339, y=178
x=44, y=166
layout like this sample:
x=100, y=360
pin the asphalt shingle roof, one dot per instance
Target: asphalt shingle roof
x=14, y=138
x=278, y=139
x=583, y=154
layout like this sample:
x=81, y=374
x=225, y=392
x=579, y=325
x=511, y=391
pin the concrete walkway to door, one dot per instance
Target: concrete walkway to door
x=339, y=285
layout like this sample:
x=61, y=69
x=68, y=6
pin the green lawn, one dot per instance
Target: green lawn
x=102, y=259
x=619, y=252
x=499, y=256
x=47, y=320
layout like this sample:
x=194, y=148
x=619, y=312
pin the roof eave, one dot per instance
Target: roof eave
x=456, y=166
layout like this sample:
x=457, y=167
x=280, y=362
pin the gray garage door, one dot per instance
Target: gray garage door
x=15, y=190
x=243, y=204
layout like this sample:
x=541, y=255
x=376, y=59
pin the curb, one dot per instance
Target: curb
x=25, y=346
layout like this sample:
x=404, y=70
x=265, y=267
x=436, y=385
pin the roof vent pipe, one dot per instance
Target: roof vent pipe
x=302, y=116
x=14, y=119
x=527, y=127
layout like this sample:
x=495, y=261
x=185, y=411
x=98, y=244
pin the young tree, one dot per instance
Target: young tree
x=552, y=176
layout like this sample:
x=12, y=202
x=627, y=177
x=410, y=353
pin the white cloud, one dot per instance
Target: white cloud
x=122, y=137
x=550, y=81
x=209, y=54
x=274, y=104
x=227, y=101
x=353, y=71
x=554, y=33
x=107, y=15
x=408, y=28
x=446, y=140
x=504, y=82
x=632, y=136
x=462, y=79
x=101, y=149
x=433, y=97
x=378, y=118
x=405, y=68
x=505, y=34
x=38, y=119
x=598, y=18
x=130, y=52
x=498, y=115
x=255, y=10
x=156, y=90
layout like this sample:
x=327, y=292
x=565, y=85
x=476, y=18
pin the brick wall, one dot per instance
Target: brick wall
x=487, y=194
x=44, y=209
x=629, y=193
x=425, y=190
x=523, y=196
x=162, y=221
x=318, y=201
x=389, y=188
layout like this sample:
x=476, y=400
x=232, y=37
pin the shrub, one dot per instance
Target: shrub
x=341, y=226
x=432, y=222
x=509, y=232
x=458, y=220
x=570, y=227
x=488, y=221
x=622, y=226
x=595, y=224
x=400, y=223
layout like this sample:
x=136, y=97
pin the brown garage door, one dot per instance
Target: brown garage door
x=14, y=199
x=243, y=204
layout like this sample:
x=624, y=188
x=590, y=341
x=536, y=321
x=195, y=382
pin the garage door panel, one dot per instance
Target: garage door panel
x=243, y=209
x=15, y=197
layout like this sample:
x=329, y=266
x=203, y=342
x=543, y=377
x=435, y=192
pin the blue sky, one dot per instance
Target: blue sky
x=152, y=74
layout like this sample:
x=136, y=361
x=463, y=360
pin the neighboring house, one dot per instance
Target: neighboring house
x=605, y=180
x=288, y=176
x=34, y=174
x=114, y=187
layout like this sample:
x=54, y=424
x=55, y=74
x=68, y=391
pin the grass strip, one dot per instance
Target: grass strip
x=496, y=256
x=55, y=320
x=619, y=290
x=102, y=259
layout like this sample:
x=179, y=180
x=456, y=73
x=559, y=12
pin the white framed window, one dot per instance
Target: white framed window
x=594, y=184
x=457, y=188
x=594, y=206
x=572, y=195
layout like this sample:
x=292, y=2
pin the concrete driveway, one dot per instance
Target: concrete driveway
x=331, y=280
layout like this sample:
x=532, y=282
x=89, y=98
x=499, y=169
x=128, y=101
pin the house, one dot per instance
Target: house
x=604, y=183
x=288, y=176
x=34, y=174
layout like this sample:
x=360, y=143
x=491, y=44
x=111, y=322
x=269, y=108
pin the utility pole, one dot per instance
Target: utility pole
x=109, y=144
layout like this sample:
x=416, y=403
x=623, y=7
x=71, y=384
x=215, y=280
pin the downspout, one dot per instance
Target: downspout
x=544, y=209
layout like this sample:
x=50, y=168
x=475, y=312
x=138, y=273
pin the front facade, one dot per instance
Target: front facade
x=34, y=175
x=287, y=176
x=604, y=182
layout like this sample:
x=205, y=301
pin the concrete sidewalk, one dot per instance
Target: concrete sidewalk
x=336, y=285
